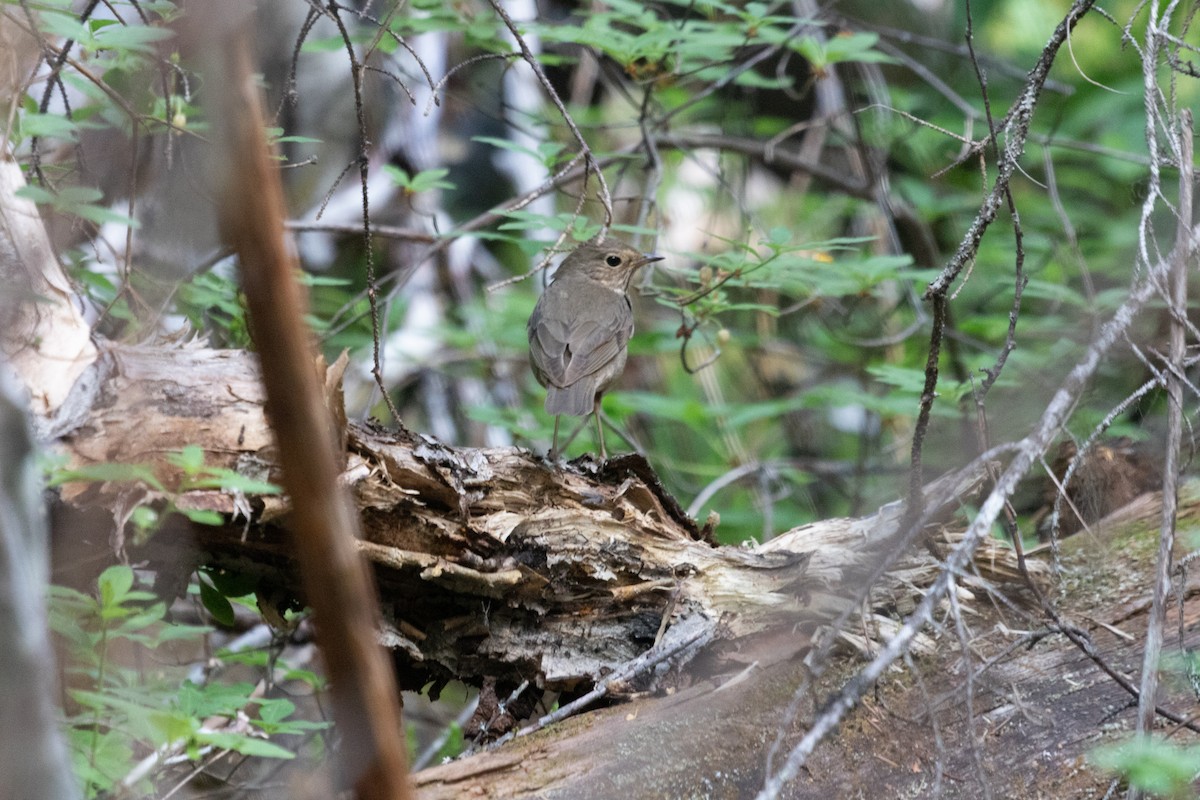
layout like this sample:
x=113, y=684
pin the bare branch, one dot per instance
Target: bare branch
x=1180, y=260
x=590, y=164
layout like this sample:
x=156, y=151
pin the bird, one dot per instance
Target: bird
x=580, y=328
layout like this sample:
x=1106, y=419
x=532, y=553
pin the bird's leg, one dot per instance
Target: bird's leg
x=554, y=447
x=599, y=427
x=575, y=432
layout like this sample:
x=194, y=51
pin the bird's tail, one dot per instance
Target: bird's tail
x=575, y=399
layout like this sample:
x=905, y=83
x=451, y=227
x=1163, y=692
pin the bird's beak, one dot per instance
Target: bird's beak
x=648, y=258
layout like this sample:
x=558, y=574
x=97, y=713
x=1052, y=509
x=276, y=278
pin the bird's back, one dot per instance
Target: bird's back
x=578, y=334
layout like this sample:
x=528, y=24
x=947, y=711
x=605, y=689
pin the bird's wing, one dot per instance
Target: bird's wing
x=594, y=344
x=567, y=351
x=548, y=347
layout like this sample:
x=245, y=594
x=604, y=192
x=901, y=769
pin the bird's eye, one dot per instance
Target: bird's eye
x=613, y=261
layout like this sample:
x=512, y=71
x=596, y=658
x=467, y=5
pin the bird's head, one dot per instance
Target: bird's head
x=610, y=263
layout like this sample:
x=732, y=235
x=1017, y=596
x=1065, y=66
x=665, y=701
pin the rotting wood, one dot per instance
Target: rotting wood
x=491, y=562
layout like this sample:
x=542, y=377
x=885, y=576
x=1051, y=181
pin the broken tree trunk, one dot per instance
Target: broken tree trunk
x=493, y=563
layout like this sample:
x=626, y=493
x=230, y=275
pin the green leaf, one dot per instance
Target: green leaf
x=99, y=759
x=213, y=699
x=203, y=516
x=168, y=728
x=841, y=48
x=230, y=481
x=136, y=619
x=114, y=585
x=47, y=125
x=855, y=47
x=138, y=38
x=325, y=44
x=421, y=182
x=546, y=152
x=36, y=194
x=177, y=631
x=99, y=473
x=581, y=228
x=231, y=583
x=246, y=745
x=217, y=604
x=906, y=379
x=779, y=236
x=308, y=279
x=67, y=26
x=145, y=519
x=101, y=215
x=69, y=196
x=308, y=677
x=77, y=200
x=275, y=710
x=752, y=80
x=190, y=459
x=1151, y=764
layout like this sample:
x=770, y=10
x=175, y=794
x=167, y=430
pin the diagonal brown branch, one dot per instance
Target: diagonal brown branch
x=324, y=523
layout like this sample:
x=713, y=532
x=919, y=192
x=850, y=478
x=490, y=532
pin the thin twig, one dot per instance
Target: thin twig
x=1180, y=259
x=1017, y=132
x=382, y=231
x=363, y=160
x=591, y=165
x=646, y=661
x=960, y=629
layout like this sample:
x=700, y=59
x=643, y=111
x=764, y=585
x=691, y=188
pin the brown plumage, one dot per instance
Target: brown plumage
x=580, y=328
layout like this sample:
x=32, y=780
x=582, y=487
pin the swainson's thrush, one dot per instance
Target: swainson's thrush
x=580, y=328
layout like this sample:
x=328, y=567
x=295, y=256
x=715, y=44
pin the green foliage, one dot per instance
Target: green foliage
x=808, y=270
x=95, y=36
x=215, y=601
x=190, y=461
x=1152, y=764
x=650, y=43
x=197, y=475
x=58, y=474
x=78, y=200
x=162, y=500
x=547, y=153
x=421, y=182
x=122, y=714
x=33, y=123
x=212, y=302
x=453, y=746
